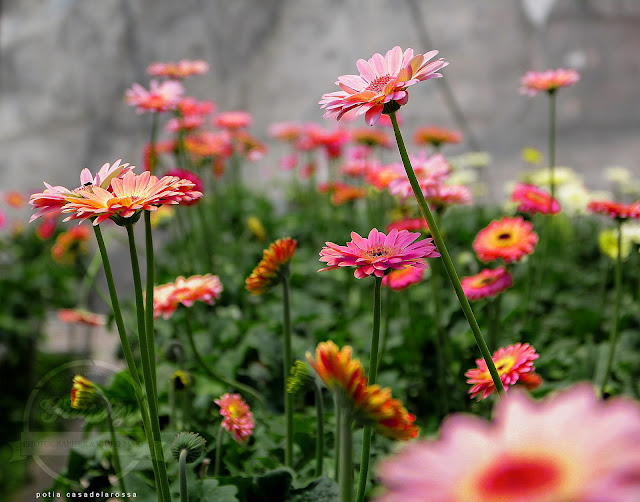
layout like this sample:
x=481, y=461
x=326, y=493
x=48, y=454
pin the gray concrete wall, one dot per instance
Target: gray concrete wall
x=65, y=65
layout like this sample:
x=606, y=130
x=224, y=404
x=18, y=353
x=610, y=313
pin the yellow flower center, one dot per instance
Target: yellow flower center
x=504, y=239
x=377, y=252
x=504, y=364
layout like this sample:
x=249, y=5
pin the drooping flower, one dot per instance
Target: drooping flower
x=233, y=120
x=180, y=380
x=383, y=80
x=616, y=210
x=80, y=316
x=238, y=419
x=378, y=253
x=550, y=81
x=487, y=283
x=436, y=136
x=182, y=69
x=571, y=446
x=204, y=288
x=534, y=200
x=369, y=404
x=83, y=393
x=511, y=362
x=274, y=263
x=70, y=244
x=160, y=97
x=401, y=279
x=509, y=238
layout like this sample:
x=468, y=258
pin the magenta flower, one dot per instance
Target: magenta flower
x=571, y=446
x=487, y=283
x=233, y=120
x=534, y=200
x=382, y=81
x=534, y=82
x=379, y=253
x=160, y=97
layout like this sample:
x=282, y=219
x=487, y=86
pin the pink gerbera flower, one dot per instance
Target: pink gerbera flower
x=378, y=253
x=401, y=279
x=204, y=288
x=509, y=238
x=80, y=316
x=238, y=419
x=449, y=195
x=191, y=106
x=511, y=362
x=185, y=123
x=571, y=446
x=164, y=303
x=615, y=210
x=160, y=97
x=285, y=131
x=430, y=172
x=534, y=200
x=534, y=82
x=382, y=81
x=233, y=120
x=410, y=224
x=181, y=69
x=487, y=283
x=185, y=174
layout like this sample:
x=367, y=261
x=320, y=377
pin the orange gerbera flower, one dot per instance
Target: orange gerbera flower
x=78, y=316
x=510, y=239
x=272, y=267
x=370, y=404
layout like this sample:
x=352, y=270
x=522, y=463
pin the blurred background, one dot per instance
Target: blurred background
x=65, y=65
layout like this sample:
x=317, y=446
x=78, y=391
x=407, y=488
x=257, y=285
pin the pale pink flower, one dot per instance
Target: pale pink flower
x=511, y=362
x=571, y=446
x=379, y=253
x=205, y=288
x=160, y=97
x=233, y=120
x=448, y=195
x=81, y=316
x=401, y=279
x=105, y=174
x=382, y=80
x=185, y=123
x=534, y=82
x=289, y=162
x=52, y=200
x=430, y=172
x=181, y=69
x=238, y=419
x=191, y=106
x=164, y=304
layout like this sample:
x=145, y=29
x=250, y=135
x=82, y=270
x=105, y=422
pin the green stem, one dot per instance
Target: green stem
x=218, y=458
x=146, y=368
x=112, y=432
x=126, y=349
x=182, y=473
x=494, y=320
x=173, y=419
x=446, y=259
x=337, y=438
x=319, y=429
x=152, y=144
x=373, y=374
x=288, y=398
x=245, y=389
x=385, y=327
x=206, y=231
x=441, y=339
x=616, y=315
x=346, y=458
x=148, y=313
x=552, y=147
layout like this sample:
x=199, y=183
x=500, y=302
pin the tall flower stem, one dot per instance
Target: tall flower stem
x=146, y=366
x=148, y=313
x=128, y=355
x=245, y=389
x=373, y=375
x=494, y=322
x=446, y=259
x=337, y=438
x=616, y=313
x=112, y=432
x=385, y=327
x=152, y=145
x=319, y=428
x=288, y=398
x=218, y=458
x=182, y=474
x=441, y=339
x=345, y=482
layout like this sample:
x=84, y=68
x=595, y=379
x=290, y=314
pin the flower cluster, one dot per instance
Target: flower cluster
x=370, y=404
x=166, y=297
x=274, y=263
x=238, y=419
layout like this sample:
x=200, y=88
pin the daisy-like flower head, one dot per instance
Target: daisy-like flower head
x=381, y=177
x=285, y=131
x=571, y=446
x=160, y=97
x=164, y=303
x=511, y=362
x=209, y=144
x=436, y=136
x=70, y=244
x=369, y=404
x=409, y=224
x=83, y=393
x=105, y=175
x=449, y=195
x=272, y=267
x=401, y=279
x=233, y=120
x=487, y=283
x=550, y=81
x=51, y=201
x=381, y=86
x=371, y=137
x=127, y=197
x=509, y=238
x=189, y=106
x=185, y=123
x=185, y=174
x=204, y=288
x=182, y=69
x=615, y=210
x=238, y=419
x=379, y=253
x=343, y=192
x=78, y=316
x=430, y=172
x=534, y=200
x=15, y=199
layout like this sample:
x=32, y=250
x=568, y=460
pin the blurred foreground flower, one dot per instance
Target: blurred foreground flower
x=379, y=252
x=511, y=362
x=550, y=81
x=568, y=447
x=487, y=283
x=238, y=419
x=383, y=81
x=509, y=238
